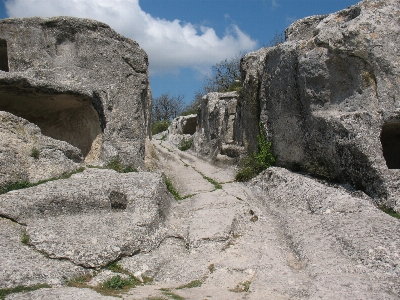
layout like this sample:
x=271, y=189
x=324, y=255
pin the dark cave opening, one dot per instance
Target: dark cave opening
x=65, y=117
x=3, y=56
x=390, y=139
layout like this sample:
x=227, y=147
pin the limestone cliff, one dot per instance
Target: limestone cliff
x=80, y=82
x=328, y=98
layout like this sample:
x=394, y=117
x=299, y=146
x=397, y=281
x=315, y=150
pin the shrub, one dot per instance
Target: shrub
x=160, y=126
x=116, y=283
x=257, y=162
x=185, y=144
x=35, y=153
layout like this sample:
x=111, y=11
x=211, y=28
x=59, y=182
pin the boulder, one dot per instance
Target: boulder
x=216, y=126
x=80, y=82
x=182, y=127
x=28, y=156
x=335, y=234
x=93, y=218
x=328, y=98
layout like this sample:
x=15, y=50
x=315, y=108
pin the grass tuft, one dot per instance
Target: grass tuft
x=172, y=189
x=116, y=165
x=242, y=287
x=185, y=144
x=25, y=238
x=192, y=284
x=21, y=289
x=390, y=211
x=169, y=293
x=35, y=153
x=24, y=184
x=257, y=162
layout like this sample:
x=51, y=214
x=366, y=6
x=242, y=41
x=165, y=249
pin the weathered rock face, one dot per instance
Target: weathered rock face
x=27, y=155
x=216, y=118
x=182, y=127
x=80, y=82
x=329, y=98
x=94, y=217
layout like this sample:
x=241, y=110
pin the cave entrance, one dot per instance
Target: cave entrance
x=390, y=139
x=190, y=126
x=3, y=56
x=65, y=117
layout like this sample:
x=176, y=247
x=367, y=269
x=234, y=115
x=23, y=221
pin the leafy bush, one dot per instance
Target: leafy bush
x=257, y=162
x=185, y=144
x=116, y=283
x=160, y=126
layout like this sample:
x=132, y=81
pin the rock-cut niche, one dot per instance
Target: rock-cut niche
x=66, y=117
x=3, y=56
x=390, y=139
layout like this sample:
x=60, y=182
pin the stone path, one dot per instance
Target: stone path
x=281, y=236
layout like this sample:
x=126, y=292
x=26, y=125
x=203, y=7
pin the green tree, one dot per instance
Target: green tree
x=166, y=107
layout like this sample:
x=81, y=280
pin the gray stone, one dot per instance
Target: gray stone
x=182, y=128
x=215, y=134
x=80, y=82
x=18, y=138
x=329, y=98
x=22, y=265
x=92, y=218
x=61, y=294
x=329, y=230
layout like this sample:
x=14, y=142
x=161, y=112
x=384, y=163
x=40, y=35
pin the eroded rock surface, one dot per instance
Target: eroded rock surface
x=329, y=98
x=181, y=128
x=80, y=82
x=93, y=218
x=215, y=135
x=26, y=155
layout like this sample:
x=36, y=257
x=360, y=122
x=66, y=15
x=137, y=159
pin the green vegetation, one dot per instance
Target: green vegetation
x=25, y=238
x=172, y=190
x=242, y=287
x=192, y=284
x=24, y=184
x=21, y=289
x=80, y=281
x=169, y=293
x=216, y=184
x=117, y=283
x=160, y=126
x=390, y=211
x=35, y=153
x=116, y=165
x=257, y=162
x=185, y=144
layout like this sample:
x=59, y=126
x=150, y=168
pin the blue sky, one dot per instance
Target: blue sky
x=184, y=38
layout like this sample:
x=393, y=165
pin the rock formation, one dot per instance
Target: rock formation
x=80, y=82
x=182, y=127
x=91, y=219
x=328, y=98
x=214, y=138
x=28, y=156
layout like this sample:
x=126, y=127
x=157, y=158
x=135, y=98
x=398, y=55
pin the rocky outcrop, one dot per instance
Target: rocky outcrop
x=182, y=127
x=335, y=235
x=94, y=217
x=80, y=82
x=214, y=138
x=28, y=156
x=328, y=98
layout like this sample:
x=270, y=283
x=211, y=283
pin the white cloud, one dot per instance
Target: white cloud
x=170, y=44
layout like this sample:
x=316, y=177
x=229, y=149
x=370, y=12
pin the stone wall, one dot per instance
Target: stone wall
x=328, y=98
x=80, y=82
